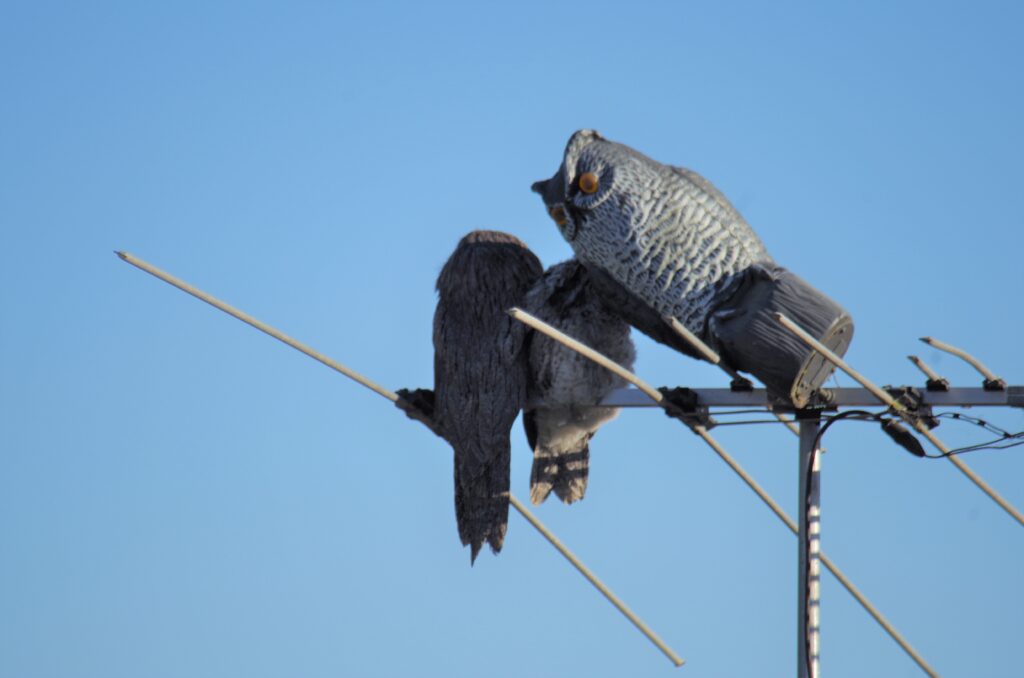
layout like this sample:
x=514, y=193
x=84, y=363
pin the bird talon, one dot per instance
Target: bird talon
x=418, y=405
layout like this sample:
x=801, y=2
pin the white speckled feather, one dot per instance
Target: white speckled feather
x=664, y=233
x=564, y=386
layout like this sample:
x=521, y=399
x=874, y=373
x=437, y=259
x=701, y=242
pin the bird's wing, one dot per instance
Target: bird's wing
x=635, y=311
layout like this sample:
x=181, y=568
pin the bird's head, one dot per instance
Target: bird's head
x=600, y=184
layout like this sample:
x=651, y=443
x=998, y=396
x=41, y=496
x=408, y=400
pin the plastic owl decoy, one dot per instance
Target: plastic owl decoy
x=661, y=242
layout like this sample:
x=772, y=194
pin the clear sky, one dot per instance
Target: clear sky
x=182, y=496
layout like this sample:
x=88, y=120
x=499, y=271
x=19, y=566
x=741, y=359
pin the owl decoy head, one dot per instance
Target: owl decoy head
x=593, y=172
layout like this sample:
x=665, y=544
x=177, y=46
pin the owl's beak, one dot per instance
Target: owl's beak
x=551, y=190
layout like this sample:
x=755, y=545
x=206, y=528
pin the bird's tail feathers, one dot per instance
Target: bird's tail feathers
x=481, y=509
x=562, y=469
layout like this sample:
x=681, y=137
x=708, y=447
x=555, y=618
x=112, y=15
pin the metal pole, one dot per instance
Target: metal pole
x=809, y=583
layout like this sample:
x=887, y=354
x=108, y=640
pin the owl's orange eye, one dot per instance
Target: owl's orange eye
x=558, y=214
x=588, y=182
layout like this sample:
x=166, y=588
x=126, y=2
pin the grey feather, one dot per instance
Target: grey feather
x=663, y=241
x=656, y=230
x=480, y=374
x=564, y=387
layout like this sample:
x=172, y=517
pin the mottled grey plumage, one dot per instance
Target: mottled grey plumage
x=664, y=233
x=480, y=374
x=563, y=385
x=662, y=241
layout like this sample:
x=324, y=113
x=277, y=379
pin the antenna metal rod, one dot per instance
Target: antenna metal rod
x=900, y=410
x=605, y=591
x=935, y=382
x=921, y=365
x=587, y=352
x=963, y=355
x=656, y=395
x=393, y=397
x=262, y=327
x=693, y=340
x=712, y=357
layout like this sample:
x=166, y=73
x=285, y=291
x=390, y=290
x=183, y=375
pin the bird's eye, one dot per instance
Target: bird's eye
x=588, y=182
x=558, y=214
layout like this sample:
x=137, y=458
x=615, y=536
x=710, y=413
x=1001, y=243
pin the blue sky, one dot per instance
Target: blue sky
x=182, y=496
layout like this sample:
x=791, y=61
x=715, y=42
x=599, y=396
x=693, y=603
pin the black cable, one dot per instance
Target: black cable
x=960, y=416
x=1006, y=440
x=862, y=415
x=1000, y=443
x=1018, y=439
x=751, y=421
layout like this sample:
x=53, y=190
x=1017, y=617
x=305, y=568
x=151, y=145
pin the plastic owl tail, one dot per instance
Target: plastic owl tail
x=481, y=505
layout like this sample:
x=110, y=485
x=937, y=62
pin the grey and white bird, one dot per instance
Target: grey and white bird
x=480, y=376
x=661, y=241
x=564, y=388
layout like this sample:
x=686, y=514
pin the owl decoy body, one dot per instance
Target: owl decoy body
x=662, y=241
x=480, y=375
x=564, y=388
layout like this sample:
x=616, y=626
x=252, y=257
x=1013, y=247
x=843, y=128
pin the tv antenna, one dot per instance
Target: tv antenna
x=693, y=407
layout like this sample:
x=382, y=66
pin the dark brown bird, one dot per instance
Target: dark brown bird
x=480, y=374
